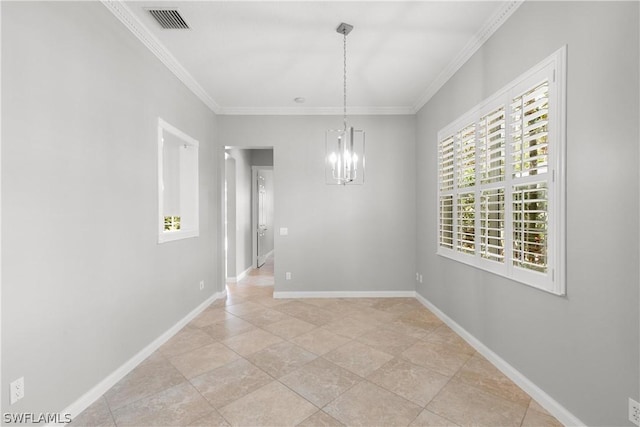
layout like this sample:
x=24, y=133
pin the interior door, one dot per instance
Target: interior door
x=262, y=219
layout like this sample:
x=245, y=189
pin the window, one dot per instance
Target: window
x=501, y=180
x=177, y=184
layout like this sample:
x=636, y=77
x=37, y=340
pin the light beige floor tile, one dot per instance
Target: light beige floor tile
x=320, y=381
x=429, y=419
x=317, y=316
x=445, y=335
x=175, y=406
x=151, y=376
x=410, y=381
x=358, y=358
x=421, y=318
x=421, y=315
x=233, y=298
x=350, y=327
x=252, y=341
x=467, y=405
x=186, y=340
x=373, y=316
x=264, y=316
x=477, y=394
x=289, y=328
x=230, y=382
x=320, y=341
x=398, y=308
x=387, y=341
x=366, y=404
x=203, y=359
x=280, y=359
x=364, y=302
x=481, y=374
x=401, y=327
x=320, y=419
x=533, y=405
x=271, y=405
x=243, y=308
x=228, y=328
x=307, y=312
x=269, y=301
x=336, y=306
x=295, y=307
x=96, y=415
x=535, y=418
x=442, y=358
x=214, y=419
x=209, y=316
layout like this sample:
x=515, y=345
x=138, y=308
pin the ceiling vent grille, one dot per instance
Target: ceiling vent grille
x=169, y=18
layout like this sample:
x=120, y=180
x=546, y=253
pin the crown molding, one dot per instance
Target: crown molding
x=487, y=30
x=315, y=111
x=124, y=15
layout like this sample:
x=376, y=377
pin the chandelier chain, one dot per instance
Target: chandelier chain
x=344, y=34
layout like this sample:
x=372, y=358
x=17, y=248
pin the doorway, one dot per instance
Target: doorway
x=249, y=216
x=262, y=201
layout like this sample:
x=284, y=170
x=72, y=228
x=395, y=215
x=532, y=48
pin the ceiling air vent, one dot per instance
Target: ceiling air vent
x=169, y=18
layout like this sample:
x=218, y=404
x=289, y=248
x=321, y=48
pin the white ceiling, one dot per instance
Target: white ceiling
x=245, y=57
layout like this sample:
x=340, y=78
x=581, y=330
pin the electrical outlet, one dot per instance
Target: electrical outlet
x=421, y=278
x=634, y=412
x=201, y=284
x=17, y=390
x=287, y=275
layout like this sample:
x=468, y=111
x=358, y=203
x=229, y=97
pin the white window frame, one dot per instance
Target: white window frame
x=189, y=207
x=552, y=68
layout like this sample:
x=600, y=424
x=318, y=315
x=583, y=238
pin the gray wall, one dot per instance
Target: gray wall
x=262, y=157
x=230, y=178
x=353, y=229
x=85, y=284
x=583, y=349
x=244, y=234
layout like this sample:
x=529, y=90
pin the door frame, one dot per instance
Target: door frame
x=254, y=212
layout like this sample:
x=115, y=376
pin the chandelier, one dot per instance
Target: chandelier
x=345, y=147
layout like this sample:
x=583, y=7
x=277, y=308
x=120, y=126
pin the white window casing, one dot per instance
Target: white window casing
x=178, y=186
x=501, y=180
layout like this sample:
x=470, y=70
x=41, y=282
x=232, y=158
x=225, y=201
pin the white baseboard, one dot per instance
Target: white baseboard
x=346, y=294
x=236, y=279
x=546, y=401
x=243, y=274
x=92, y=395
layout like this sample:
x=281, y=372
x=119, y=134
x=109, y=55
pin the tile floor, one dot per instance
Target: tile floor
x=251, y=360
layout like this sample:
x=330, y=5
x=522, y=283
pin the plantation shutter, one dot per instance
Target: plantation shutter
x=530, y=166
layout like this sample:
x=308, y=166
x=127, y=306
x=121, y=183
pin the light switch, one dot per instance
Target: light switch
x=284, y=231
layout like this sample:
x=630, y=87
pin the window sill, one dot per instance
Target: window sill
x=170, y=236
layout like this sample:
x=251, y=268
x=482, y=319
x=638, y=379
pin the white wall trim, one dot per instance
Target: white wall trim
x=98, y=390
x=546, y=401
x=240, y=276
x=124, y=14
x=346, y=294
x=487, y=30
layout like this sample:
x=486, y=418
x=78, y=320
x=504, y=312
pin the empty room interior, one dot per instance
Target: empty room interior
x=265, y=213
